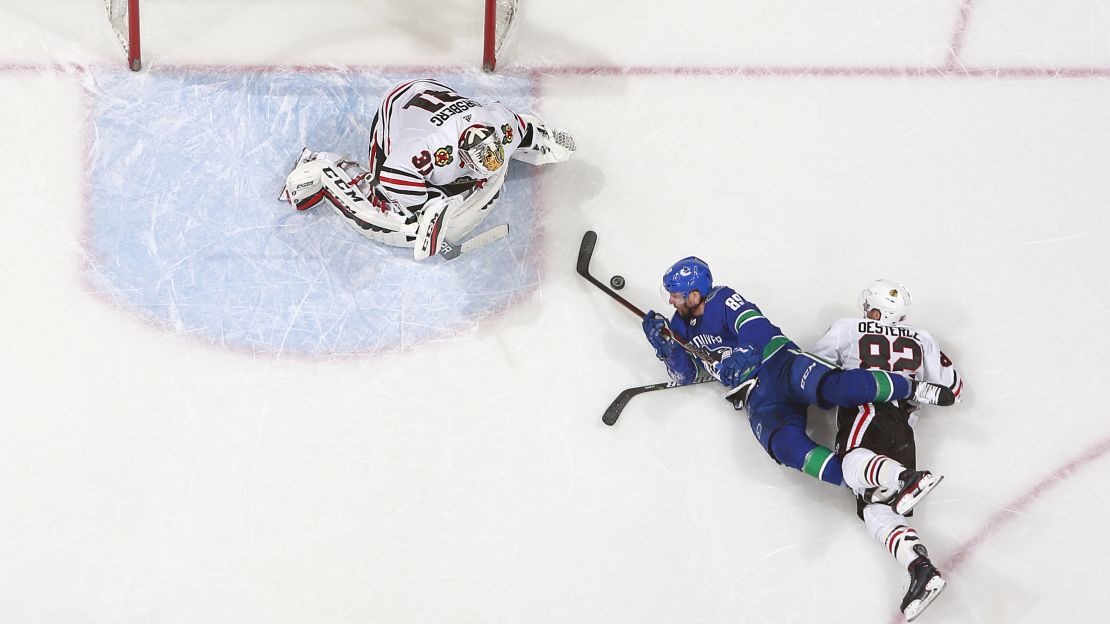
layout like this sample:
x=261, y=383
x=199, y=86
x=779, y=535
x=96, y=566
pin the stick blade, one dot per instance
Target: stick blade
x=613, y=412
x=586, y=252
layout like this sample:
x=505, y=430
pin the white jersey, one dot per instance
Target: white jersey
x=863, y=343
x=415, y=142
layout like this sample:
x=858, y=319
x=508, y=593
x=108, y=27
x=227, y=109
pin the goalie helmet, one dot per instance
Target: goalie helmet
x=480, y=148
x=890, y=298
x=687, y=275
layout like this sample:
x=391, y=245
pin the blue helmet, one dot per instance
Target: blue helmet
x=687, y=275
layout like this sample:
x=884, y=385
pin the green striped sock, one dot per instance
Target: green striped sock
x=884, y=387
x=815, y=461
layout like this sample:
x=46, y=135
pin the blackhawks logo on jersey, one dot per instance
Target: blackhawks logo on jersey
x=463, y=184
x=443, y=156
x=507, y=132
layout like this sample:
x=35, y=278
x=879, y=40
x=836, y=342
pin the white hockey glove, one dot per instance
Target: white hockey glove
x=549, y=145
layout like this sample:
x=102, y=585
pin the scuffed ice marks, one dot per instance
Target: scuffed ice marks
x=185, y=230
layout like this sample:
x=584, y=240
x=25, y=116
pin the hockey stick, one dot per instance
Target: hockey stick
x=737, y=396
x=613, y=412
x=586, y=254
x=450, y=250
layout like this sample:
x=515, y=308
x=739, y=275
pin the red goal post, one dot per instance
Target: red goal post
x=500, y=16
x=124, y=16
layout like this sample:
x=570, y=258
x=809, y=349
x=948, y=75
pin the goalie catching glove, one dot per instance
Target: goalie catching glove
x=548, y=145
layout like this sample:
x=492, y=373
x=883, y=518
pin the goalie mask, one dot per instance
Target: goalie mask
x=890, y=298
x=480, y=148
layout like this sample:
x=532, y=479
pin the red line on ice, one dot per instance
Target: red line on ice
x=1018, y=505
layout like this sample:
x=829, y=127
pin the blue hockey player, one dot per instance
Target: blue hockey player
x=728, y=337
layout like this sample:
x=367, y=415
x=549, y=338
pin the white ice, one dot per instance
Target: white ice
x=213, y=410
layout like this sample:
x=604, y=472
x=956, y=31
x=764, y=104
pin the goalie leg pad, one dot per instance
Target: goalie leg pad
x=304, y=187
x=346, y=198
x=305, y=156
x=318, y=180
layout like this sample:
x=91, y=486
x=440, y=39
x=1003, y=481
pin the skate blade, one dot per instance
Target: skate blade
x=912, y=502
x=932, y=590
x=305, y=155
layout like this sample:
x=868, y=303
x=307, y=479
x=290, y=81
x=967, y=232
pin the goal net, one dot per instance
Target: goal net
x=499, y=18
x=124, y=16
x=500, y=15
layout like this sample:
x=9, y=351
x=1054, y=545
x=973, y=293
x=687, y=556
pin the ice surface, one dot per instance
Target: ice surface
x=219, y=410
x=184, y=225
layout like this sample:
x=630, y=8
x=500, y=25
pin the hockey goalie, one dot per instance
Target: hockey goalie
x=437, y=163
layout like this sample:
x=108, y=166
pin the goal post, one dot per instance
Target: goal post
x=499, y=19
x=124, y=17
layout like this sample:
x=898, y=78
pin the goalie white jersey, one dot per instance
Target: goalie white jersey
x=414, y=145
x=438, y=161
x=863, y=343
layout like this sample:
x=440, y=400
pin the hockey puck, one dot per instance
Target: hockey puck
x=617, y=282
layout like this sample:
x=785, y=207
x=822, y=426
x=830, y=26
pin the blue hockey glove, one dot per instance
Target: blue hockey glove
x=739, y=365
x=654, y=324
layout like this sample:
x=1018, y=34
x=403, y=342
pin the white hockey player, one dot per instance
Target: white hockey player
x=875, y=441
x=437, y=162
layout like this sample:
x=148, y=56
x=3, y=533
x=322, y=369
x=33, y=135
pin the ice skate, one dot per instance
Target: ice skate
x=305, y=156
x=932, y=394
x=916, y=484
x=926, y=584
x=738, y=396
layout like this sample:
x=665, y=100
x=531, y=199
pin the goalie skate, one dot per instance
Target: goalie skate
x=926, y=584
x=916, y=485
x=305, y=156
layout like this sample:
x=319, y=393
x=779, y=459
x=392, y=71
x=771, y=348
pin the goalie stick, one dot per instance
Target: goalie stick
x=613, y=412
x=450, y=250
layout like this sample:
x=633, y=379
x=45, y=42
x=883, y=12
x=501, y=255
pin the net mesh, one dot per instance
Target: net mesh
x=117, y=15
x=506, y=15
x=124, y=17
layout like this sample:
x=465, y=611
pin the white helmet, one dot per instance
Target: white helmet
x=890, y=298
x=480, y=148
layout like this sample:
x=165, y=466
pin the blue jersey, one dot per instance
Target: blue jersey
x=728, y=321
x=789, y=378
